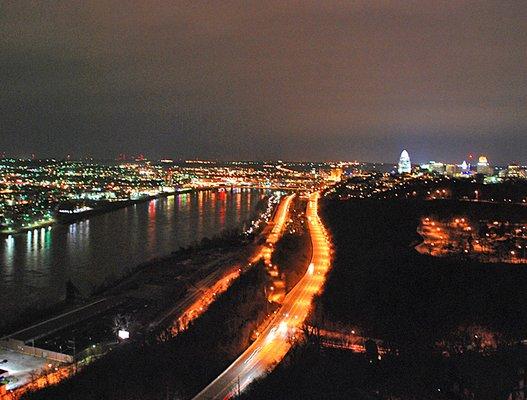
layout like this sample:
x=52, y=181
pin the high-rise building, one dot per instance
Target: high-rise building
x=516, y=172
x=335, y=175
x=483, y=167
x=405, y=166
x=466, y=170
x=451, y=170
x=436, y=167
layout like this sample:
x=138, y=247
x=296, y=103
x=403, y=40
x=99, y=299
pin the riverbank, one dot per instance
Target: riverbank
x=102, y=251
x=158, y=302
x=178, y=366
x=176, y=288
x=234, y=314
x=42, y=223
x=207, y=249
x=106, y=207
x=103, y=207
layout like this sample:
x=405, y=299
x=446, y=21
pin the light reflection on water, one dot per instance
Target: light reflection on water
x=36, y=265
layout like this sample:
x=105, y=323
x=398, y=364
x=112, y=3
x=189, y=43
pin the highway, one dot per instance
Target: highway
x=64, y=320
x=186, y=309
x=197, y=300
x=276, y=229
x=191, y=306
x=274, y=342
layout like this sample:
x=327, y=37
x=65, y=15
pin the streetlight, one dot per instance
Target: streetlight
x=123, y=334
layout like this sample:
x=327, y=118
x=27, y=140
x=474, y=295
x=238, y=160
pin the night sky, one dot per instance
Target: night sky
x=316, y=80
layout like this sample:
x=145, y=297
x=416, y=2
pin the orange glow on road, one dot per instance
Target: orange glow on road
x=192, y=306
x=274, y=342
x=209, y=291
x=48, y=379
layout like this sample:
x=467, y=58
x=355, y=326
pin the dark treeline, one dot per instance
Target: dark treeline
x=293, y=250
x=475, y=211
x=381, y=284
x=508, y=191
x=178, y=367
x=228, y=239
x=308, y=373
x=313, y=373
x=416, y=305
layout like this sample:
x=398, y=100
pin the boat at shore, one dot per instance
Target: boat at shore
x=67, y=213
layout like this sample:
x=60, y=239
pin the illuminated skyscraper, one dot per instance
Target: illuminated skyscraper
x=405, y=166
x=451, y=170
x=516, y=172
x=436, y=167
x=483, y=166
x=335, y=174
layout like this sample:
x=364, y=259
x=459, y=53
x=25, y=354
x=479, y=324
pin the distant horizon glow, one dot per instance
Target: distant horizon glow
x=268, y=80
x=211, y=161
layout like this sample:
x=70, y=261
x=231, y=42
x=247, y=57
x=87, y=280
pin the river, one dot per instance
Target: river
x=35, y=265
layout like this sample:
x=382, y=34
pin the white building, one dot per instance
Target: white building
x=483, y=166
x=405, y=166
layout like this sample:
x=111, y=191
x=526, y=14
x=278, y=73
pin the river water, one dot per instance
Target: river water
x=35, y=265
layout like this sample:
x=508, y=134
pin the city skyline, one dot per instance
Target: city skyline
x=259, y=200
x=470, y=159
x=273, y=81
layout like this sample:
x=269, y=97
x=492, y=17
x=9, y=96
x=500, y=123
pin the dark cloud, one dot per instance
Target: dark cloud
x=265, y=79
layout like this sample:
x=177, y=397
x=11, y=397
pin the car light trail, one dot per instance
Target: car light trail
x=273, y=343
x=197, y=303
x=190, y=307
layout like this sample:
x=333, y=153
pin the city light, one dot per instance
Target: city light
x=272, y=344
x=123, y=334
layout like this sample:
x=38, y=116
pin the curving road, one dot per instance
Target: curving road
x=274, y=342
x=195, y=301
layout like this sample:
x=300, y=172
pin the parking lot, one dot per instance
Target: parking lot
x=20, y=367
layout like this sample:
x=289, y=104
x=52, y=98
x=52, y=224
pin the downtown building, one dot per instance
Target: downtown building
x=405, y=165
x=483, y=167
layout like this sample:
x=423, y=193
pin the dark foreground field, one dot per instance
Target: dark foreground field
x=382, y=285
x=452, y=327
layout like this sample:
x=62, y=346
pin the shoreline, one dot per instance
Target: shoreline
x=106, y=288
x=66, y=219
x=128, y=273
